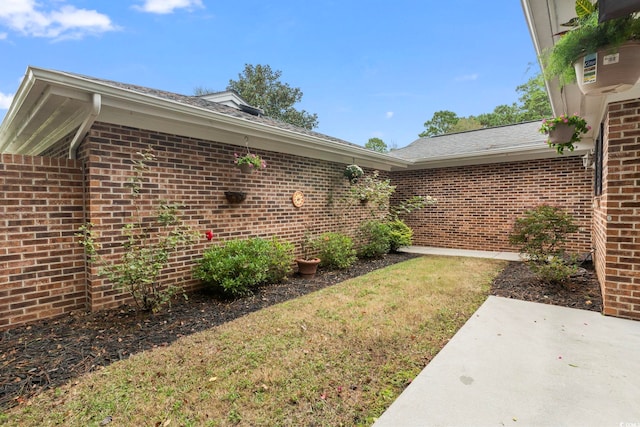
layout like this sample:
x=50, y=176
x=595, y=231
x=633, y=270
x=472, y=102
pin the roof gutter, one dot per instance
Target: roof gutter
x=92, y=115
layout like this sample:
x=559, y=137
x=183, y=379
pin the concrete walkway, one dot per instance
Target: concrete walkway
x=428, y=250
x=517, y=363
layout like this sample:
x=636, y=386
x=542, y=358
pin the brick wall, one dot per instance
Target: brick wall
x=477, y=205
x=617, y=212
x=196, y=173
x=41, y=267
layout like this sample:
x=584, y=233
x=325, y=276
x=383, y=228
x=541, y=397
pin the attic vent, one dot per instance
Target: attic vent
x=251, y=110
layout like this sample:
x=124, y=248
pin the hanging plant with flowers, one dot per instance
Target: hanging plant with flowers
x=564, y=131
x=353, y=172
x=251, y=160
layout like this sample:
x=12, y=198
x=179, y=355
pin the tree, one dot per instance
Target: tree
x=465, y=124
x=501, y=115
x=260, y=86
x=376, y=144
x=442, y=122
x=534, y=99
x=533, y=104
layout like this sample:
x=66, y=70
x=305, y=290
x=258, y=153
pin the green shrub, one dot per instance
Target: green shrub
x=147, y=248
x=335, y=250
x=540, y=235
x=400, y=234
x=239, y=266
x=376, y=237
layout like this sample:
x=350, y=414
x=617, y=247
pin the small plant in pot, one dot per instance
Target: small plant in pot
x=564, y=131
x=308, y=263
x=601, y=57
x=249, y=162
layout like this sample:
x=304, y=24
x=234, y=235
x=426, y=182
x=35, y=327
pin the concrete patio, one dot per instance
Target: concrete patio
x=517, y=363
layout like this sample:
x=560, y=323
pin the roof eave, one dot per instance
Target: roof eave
x=532, y=152
x=131, y=108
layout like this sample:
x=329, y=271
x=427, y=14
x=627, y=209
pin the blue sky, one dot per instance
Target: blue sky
x=367, y=68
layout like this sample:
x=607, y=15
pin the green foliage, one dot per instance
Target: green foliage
x=381, y=237
x=501, y=115
x=534, y=100
x=400, y=234
x=580, y=127
x=533, y=105
x=465, y=124
x=260, y=86
x=375, y=238
x=442, y=122
x=412, y=204
x=587, y=36
x=376, y=144
x=373, y=190
x=353, y=173
x=335, y=250
x=147, y=248
x=239, y=266
x=540, y=235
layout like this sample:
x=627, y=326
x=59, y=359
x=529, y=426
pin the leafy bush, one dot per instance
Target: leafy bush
x=400, y=234
x=376, y=238
x=148, y=246
x=239, y=266
x=540, y=235
x=382, y=237
x=335, y=250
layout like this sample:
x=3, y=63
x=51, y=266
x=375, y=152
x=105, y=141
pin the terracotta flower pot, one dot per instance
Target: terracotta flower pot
x=609, y=70
x=307, y=267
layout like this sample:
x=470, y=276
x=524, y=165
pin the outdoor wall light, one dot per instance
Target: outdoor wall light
x=587, y=160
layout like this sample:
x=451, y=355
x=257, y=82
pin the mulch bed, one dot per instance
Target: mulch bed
x=49, y=353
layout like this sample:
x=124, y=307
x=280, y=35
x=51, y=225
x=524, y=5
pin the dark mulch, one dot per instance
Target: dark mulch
x=49, y=353
x=581, y=291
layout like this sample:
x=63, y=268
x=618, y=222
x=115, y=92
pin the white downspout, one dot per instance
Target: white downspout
x=96, y=105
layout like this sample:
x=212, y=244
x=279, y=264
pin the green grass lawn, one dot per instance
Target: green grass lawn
x=337, y=357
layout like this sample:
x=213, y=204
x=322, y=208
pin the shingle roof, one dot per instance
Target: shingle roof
x=476, y=142
x=198, y=101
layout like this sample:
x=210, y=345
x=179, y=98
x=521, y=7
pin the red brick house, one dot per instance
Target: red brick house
x=614, y=141
x=68, y=143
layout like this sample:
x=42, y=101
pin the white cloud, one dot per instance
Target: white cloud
x=5, y=101
x=169, y=6
x=31, y=18
x=467, y=77
x=389, y=114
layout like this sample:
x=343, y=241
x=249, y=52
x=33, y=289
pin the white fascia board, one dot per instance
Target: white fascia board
x=16, y=106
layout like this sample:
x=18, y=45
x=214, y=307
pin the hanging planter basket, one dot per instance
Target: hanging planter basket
x=235, y=196
x=609, y=70
x=562, y=134
x=246, y=168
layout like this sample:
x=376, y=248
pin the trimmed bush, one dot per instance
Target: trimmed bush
x=239, y=266
x=540, y=235
x=400, y=234
x=381, y=237
x=335, y=250
x=375, y=236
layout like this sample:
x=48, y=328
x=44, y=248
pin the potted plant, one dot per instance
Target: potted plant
x=564, y=131
x=308, y=264
x=600, y=57
x=353, y=172
x=249, y=162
